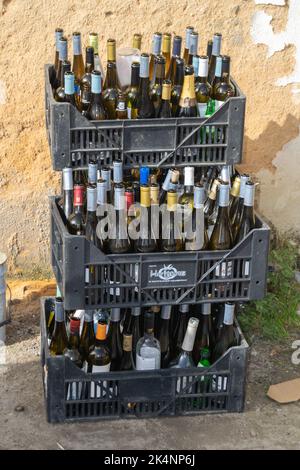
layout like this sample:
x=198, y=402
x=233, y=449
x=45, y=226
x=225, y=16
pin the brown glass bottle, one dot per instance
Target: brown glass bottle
x=58, y=34
x=111, y=57
x=62, y=56
x=133, y=91
x=86, y=81
x=177, y=86
x=224, y=89
x=176, y=53
x=111, y=92
x=216, y=50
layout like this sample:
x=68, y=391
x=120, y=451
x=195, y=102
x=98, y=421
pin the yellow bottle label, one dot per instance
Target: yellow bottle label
x=172, y=200
x=145, y=196
x=166, y=91
x=127, y=342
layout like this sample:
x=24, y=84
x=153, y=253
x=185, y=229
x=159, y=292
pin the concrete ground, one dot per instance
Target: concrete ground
x=264, y=424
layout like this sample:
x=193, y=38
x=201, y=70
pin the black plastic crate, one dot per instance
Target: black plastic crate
x=141, y=394
x=74, y=140
x=139, y=279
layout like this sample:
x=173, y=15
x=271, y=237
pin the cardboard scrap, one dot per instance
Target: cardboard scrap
x=285, y=392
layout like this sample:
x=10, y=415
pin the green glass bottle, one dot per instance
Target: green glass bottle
x=60, y=95
x=145, y=104
x=177, y=85
x=224, y=89
x=227, y=338
x=110, y=95
x=187, y=103
x=96, y=110
x=58, y=34
x=247, y=222
x=132, y=91
x=202, y=88
x=166, y=51
x=216, y=50
x=146, y=242
x=188, y=32
x=156, y=87
x=165, y=110
x=205, y=334
x=236, y=215
x=59, y=340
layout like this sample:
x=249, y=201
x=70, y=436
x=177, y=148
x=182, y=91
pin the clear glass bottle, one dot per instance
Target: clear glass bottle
x=185, y=359
x=148, y=348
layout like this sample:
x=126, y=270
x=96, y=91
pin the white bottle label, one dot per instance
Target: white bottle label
x=87, y=275
x=98, y=389
x=202, y=107
x=145, y=363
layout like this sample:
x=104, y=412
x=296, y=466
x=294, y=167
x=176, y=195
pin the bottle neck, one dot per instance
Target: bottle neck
x=135, y=78
x=179, y=76
x=111, y=77
x=74, y=340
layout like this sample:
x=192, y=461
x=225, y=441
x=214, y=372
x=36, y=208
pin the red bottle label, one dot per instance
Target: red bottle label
x=78, y=195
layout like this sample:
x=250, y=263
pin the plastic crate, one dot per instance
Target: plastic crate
x=139, y=279
x=141, y=394
x=74, y=140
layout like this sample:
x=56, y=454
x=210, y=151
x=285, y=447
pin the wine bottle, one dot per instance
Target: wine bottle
x=176, y=53
x=96, y=110
x=171, y=236
x=137, y=41
x=186, y=200
x=210, y=202
x=60, y=91
x=205, y=334
x=86, y=81
x=156, y=87
x=87, y=338
x=184, y=359
x=188, y=32
x=58, y=34
x=62, y=56
x=155, y=50
x=145, y=243
x=193, y=50
x=218, y=75
x=177, y=87
x=72, y=349
x=247, y=222
x=132, y=91
x=209, y=49
x=165, y=110
x=94, y=43
x=203, y=88
x=198, y=240
x=237, y=214
x=164, y=335
x=224, y=89
x=145, y=104
x=59, y=340
x=91, y=218
x=234, y=196
x=221, y=237
x=216, y=50
x=78, y=65
x=67, y=192
x=92, y=172
x=148, y=347
x=127, y=360
x=99, y=361
x=121, y=109
x=70, y=88
x=112, y=57
x=227, y=337
x=111, y=91
x=114, y=341
x=76, y=222
x=119, y=242
x=102, y=226
x=166, y=51
x=180, y=329
x=134, y=328
x=187, y=103
x=225, y=174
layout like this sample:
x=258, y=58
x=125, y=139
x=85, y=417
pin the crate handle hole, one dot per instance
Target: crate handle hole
x=63, y=155
x=233, y=148
x=260, y=240
x=75, y=291
x=257, y=282
x=61, y=115
x=236, y=108
x=238, y=358
x=75, y=248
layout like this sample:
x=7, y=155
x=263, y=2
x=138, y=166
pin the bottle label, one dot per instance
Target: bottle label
x=228, y=314
x=145, y=363
x=99, y=389
x=202, y=107
x=121, y=106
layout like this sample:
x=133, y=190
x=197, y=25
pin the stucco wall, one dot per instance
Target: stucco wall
x=262, y=38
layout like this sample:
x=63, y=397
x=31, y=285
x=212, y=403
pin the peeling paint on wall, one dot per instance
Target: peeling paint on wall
x=262, y=33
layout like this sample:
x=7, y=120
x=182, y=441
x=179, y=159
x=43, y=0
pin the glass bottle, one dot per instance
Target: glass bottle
x=148, y=347
x=127, y=360
x=155, y=50
x=67, y=175
x=62, y=56
x=96, y=110
x=203, y=88
x=216, y=50
x=165, y=110
x=78, y=65
x=58, y=34
x=180, y=329
x=177, y=86
x=76, y=222
x=156, y=87
x=111, y=91
x=60, y=91
x=166, y=51
x=187, y=103
x=205, y=334
x=224, y=89
x=176, y=53
x=145, y=104
x=188, y=31
x=132, y=91
x=171, y=236
x=59, y=340
x=113, y=339
x=184, y=359
x=87, y=338
x=164, y=335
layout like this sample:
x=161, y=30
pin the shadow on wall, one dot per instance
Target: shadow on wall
x=260, y=153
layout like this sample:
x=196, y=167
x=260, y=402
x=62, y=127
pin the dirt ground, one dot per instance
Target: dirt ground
x=264, y=424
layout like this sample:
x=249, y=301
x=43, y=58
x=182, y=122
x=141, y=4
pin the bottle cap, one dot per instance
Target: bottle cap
x=119, y=197
x=206, y=309
x=144, y=175
x=67, y=179
x=59, y=310
x=136, y=311
x=78, y=194
x=74, y=325
x=76, y=43
x=91, y=198
x=235, y=190
x=118, y=171
x=189, y=338
x=174, y=175
x=172, y=200
x=213, y=191
x=145, y=195
x=184, y=308
x=106, y=176
x=218, y=70
x=216, y=49
x=88, y=316
x=149, y=321
x=115, y=314
x=165, y=185
x=154, y=194
x=63, y=48
x=101, y=191
x=93, y=42
x=225, y=174
x=160, y=63
x=69, y=83
x=199, y=196
x=166, y=43
x=96, y=86
x=196, y=65
x=225, y=64
x=101, y=331
x=224, y=194
x=156, y=44
x=244, y=178
x=189, y=176
x=144, y=65
x=58, y=34
x=166, y=312
x=127, y=342
x=92, y=172
x=249, y=194
x=229, y=313
x=203, y=66
x=111, y=50
x=209, y=47
x=89, y=55
x=155, y=308
x=166, y=90
x=188, y=31
x=194, y=37
x=129, y=196
x=177, y=41
x=137, y=41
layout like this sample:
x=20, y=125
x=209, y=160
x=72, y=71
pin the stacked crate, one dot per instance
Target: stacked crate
x=138, y=279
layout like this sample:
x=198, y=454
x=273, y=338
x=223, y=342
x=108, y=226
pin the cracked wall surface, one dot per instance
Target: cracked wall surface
x=262, y=38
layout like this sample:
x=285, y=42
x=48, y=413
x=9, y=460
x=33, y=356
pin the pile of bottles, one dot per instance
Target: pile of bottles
x=151, y=208
x=163, y=84
x=149, y=338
